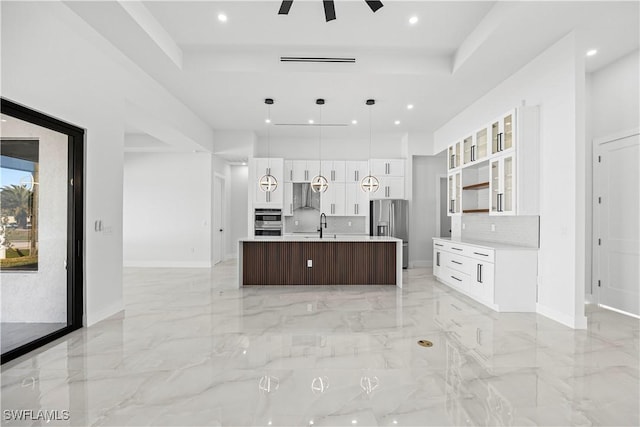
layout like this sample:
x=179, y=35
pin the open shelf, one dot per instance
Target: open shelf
x=478, y=186
x=475, y=211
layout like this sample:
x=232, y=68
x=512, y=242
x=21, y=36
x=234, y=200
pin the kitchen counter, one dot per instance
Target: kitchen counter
x=485, y=244
x=309, y=260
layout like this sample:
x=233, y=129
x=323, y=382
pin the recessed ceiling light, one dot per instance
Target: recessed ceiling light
x=354, y=421
x=397, y=122
x=413, y=20
x=310, y=121
x=267, y=120
x=410, y=107
x=4, y=120
x=592, y=52
x=354, y=122
x=244, y=164
x=222, y=17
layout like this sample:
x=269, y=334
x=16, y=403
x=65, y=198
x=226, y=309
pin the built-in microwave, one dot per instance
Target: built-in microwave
x=268, y=222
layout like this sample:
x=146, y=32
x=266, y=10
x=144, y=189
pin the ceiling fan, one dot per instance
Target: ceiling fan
x=329, y=7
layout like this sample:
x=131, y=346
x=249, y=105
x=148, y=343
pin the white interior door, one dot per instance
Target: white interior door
x=618, y=250
x=218, y=219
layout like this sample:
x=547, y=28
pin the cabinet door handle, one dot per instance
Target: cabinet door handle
x=473, y=153
x=478, y=273
x=438, y=259
x=333, y=208
x=268, y=197
x=452, y=205
x=291, y=175
x=479, y=253
x=438, y=244
x=333, y=176
x=456, y=249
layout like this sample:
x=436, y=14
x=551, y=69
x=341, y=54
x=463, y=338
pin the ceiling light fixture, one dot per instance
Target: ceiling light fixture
x=413, y=20
x=354, y=122
x=267, y=120
x=268, y=183
x=397, y=122
x=222, y=17
x=329, y=7
x=410, y=107
x=592, y=52
x=369, y=183
x=310, y=121
x=319, y=183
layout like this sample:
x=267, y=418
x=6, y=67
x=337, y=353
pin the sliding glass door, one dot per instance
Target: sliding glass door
x=40, y=229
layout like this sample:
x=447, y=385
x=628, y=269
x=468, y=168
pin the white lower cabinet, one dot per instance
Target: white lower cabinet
x=503, y=278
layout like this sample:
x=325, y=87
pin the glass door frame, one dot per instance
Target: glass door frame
x=75, y=222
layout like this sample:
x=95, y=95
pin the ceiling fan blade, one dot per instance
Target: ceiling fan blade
x=285, y=7
x=329, y=10
x=374, y=4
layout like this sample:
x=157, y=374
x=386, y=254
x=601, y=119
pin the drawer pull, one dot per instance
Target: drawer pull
x=456, y=249
x=478, y=253
x=438, y=244
x=454, y=277
x=456, y=262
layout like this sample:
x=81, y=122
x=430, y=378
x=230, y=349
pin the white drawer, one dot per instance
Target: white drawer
x=456, y=278
x=460, y=263
x=481, y=254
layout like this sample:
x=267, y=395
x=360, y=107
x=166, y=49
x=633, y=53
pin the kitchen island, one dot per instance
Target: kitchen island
x=296, y=260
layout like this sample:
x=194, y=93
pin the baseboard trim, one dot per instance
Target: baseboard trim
x=421, y=264
x=103, y=313
x=167, y=264
x=578, y=322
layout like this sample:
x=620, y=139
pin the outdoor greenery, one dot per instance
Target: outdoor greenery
x=16, y=201
x=18, y=241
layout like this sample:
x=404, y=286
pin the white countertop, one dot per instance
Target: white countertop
x=485, y=244
x=326, y=238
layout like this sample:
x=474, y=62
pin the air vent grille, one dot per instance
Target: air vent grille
x=317, y=59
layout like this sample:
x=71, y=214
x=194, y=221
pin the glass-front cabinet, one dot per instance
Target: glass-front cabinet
x=454, y=155
x=480, y=151
x=502, y=185
x=469, y=147
x=503, y=133
x=454, y=191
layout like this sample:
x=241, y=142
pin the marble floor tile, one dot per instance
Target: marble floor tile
x=190, y=349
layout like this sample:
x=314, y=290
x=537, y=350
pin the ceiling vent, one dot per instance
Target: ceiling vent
x=317, y=59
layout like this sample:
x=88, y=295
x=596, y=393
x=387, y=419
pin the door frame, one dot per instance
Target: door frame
x=595, y=225
x=221, y=241
x=75, y=222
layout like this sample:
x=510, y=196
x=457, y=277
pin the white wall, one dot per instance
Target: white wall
x=614, y=97
x=239, y=219
x=54, y=62
x=167, y=210
x=552, y=81
x=426, y=176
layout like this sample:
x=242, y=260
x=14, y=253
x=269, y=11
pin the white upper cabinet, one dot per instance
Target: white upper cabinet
x=262, y=167
x=288, y=199
x=332, y=201
x=503, y=133
x=387, y=167
x=356, y=201
x=454, y=193
x=301, y=170
x=505, y=154
x=356, y=170
x=334, y=170
x=391, y=187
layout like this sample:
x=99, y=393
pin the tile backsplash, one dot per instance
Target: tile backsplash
x=514, y=230
x=309, y=223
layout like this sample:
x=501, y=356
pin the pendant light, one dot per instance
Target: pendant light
x=319, y=183
x=268, y=183
x=370, y=183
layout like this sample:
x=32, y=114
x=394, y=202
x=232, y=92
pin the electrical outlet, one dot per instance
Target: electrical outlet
x=309, y=263
x=297, y=222
x=464, y=225
x=309, y=307
x=349, y=223
x=493, y=227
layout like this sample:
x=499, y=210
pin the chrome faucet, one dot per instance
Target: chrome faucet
x=323, y=221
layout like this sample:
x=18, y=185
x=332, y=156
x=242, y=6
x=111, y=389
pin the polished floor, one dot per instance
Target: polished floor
x=192, y=350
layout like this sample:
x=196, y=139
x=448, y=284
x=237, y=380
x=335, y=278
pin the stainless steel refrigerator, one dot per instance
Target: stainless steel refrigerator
x=391, y=218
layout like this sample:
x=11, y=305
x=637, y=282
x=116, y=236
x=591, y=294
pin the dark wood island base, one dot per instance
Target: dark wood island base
x=319, y=262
